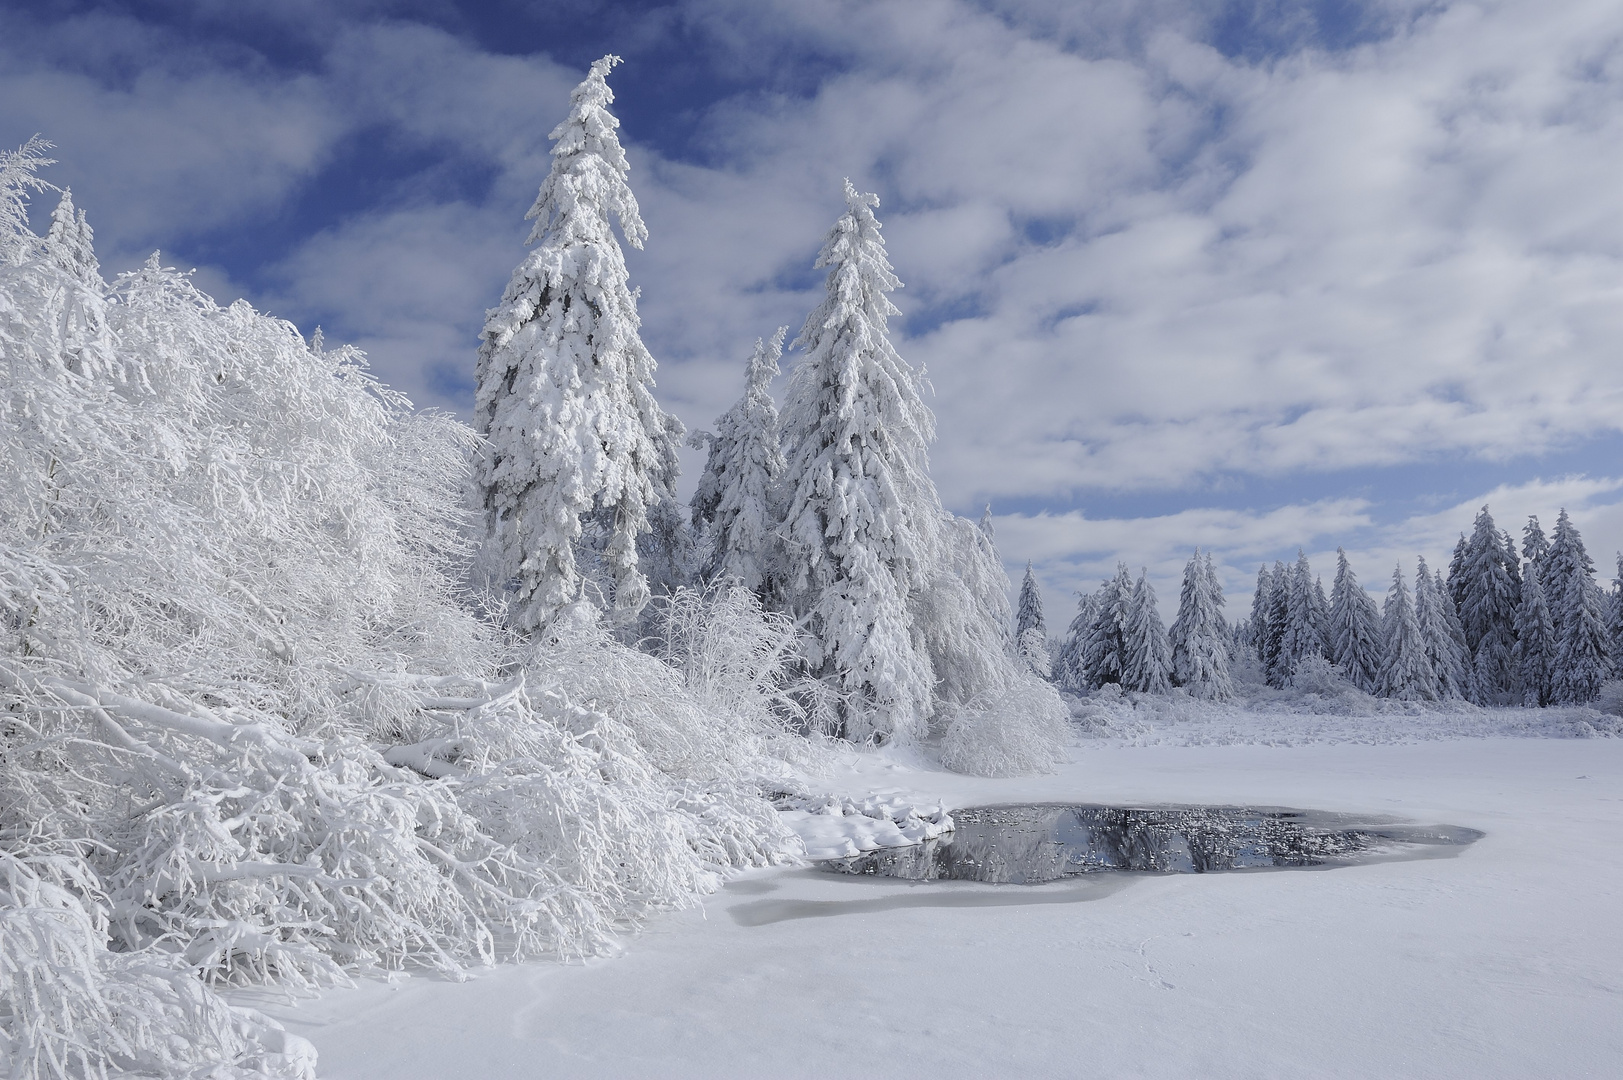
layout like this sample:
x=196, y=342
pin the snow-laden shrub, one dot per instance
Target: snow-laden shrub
x=1018, y=729
x=1610, y=698
x=996, y=717
x=1316, y=675
x=239, y=673
x=68, y=1007
x=715, y=704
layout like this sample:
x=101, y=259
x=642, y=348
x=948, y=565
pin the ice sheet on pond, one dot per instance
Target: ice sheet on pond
x=1028, y=845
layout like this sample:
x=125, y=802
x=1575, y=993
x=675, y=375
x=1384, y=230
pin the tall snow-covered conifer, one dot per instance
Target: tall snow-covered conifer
x=564, y=384
x=1199, y=642
x=1535, y=640
x=1030, y=632
x=1356, y=642
x=1564, y=560
x=1446, y=658
x=1487, y=609
x=1534, y=545
x=70, y=243
x=1456, y=574
x=1104, y=654
x=1279, y=663
x=1029, y=614
x=862, y=512
x=1614, y=619
x=1149, y=658
x=1069, y=670
x=1320, y=615
x=734, y=496
x=1581, y=658
x=1257, y=625
x=1406, y=673
x=1303, y=634
x=1451, y=621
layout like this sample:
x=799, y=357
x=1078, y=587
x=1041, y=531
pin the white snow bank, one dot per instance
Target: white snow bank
x=833, y=827
x=1292, y=718
x=1500, y=962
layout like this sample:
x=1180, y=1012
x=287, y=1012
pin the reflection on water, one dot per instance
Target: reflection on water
x=1028, y=845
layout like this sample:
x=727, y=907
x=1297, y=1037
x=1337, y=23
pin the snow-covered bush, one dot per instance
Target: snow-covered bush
x=1017, y=729
x=1317, y=675
x=1610, y=698
x=68, y=1007
x=242, y=682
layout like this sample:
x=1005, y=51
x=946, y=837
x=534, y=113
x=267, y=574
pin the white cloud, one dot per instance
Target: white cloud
x=172, y=149
x=1361, y=264
x=1161, y=265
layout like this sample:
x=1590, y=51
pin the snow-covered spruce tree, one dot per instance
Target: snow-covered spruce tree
x=1582, y=656
x=1406, y=674
x=1446, y=658
x=1303, y=633
x=1030, y=632
x=1104, y=654
x=1029, y=612
x=1534, y=544
x=1257, y=624
x=1488, y=614
x=1614, y=619
x=1451, y=623
x=1535, y=640
x=1278, y=662
x=734, y=496
x=70, y=242
x=1070, y=672
x=1320, y=604
x=906, y=606
x=1356, y=641
x=1564, y=560
x=1456, y=574
x=1513, y=562
x=862, y=511
x=1148, y=667
x=1199, y=641
x=578, y=449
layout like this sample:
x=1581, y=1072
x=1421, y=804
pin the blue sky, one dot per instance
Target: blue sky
x=1248, y=275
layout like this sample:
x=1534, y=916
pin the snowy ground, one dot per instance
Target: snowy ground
x=1506, y=960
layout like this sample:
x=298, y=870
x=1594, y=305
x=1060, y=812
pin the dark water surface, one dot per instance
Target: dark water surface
x=1030, y=845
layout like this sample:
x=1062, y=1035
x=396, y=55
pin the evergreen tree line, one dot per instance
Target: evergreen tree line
x=1117, y=637
x=1504, y=627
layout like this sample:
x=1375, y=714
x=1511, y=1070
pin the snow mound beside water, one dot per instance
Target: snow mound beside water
x=833, y=826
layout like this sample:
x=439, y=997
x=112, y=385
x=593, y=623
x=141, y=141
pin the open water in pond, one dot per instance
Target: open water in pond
x=1028, y=845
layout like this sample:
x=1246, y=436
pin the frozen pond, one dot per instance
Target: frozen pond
x=1032, y=844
